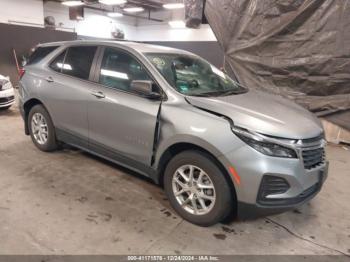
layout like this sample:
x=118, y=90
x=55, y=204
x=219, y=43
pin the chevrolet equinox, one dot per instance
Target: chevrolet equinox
x=218, y=148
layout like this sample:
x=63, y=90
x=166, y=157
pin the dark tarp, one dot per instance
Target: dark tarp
x=299, y=49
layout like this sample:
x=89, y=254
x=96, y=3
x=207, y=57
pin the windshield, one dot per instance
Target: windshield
x=191, y=75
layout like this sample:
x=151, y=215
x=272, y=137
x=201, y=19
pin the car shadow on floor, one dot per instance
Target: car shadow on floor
x=8, y=112
x=159, y=195
x=147, y=183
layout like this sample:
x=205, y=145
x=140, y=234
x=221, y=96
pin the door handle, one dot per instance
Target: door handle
x=98, y=94
x=49, y=79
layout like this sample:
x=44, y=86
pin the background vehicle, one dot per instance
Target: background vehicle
x=215, y=146
x=7, y=94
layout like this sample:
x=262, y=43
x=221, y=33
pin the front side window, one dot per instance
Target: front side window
x=191, y=75
x=77, y=62
x=119, y=69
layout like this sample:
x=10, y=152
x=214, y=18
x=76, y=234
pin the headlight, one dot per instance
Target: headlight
x=263, y=146
x=5, y=84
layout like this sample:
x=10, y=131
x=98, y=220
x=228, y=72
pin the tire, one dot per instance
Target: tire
x=50, y=143
x=204, y=164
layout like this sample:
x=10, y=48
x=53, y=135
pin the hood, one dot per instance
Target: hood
x=264, y=113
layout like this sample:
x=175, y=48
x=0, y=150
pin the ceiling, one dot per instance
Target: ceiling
x=150, y=6
x=147, y=4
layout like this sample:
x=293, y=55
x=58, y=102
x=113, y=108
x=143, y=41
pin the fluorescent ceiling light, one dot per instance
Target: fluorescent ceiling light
x=133, y=9
x=112, y=2
x=115, y=14
x=72, y=3
x=177, y=24
x=174, y=6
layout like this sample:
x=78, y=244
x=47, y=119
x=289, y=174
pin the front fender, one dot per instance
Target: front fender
x=187, y=139
x=190, y=125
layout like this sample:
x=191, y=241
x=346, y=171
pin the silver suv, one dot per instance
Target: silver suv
x=217, y=148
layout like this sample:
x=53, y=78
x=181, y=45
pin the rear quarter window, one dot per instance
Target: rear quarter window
x=40, y=53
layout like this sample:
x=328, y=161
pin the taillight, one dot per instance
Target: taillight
x=21, y=72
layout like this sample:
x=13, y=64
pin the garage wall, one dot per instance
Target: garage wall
x=95, y=23
x=22, y=38
x=200, y=41
x=27, y=11
x=164, y=32
x=60, y=13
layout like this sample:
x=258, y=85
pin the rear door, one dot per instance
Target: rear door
x=122, y=123
x=67, y=92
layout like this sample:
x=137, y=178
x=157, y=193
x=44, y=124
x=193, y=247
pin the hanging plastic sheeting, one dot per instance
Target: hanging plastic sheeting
x=299, y=49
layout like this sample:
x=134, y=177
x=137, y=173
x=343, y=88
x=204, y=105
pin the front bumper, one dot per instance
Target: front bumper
x=252, y=166
x=248, y=211
x=7, y=97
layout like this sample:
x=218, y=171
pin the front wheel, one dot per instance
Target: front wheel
x=197, y=188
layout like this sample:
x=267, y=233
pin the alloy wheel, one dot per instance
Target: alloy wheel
x=193, y=190
x=39, y=128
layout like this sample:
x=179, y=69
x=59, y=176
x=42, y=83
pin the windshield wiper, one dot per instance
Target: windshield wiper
x=208, y=94
x=220, y=93
x=232, y=92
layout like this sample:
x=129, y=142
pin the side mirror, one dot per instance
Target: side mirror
x=144, y=88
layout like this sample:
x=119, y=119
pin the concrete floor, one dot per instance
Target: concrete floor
x=69, y=202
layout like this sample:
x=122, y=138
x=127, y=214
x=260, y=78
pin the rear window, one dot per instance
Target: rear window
x=40, y=53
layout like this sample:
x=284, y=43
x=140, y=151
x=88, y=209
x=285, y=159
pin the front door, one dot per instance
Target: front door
x=121, y=123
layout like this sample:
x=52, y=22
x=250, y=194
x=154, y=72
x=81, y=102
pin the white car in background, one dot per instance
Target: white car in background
x=7, y=93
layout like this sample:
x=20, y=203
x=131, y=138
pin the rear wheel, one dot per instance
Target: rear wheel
x=41, y=129
x=197, y=189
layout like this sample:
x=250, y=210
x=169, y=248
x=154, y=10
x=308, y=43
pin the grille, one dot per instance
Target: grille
x=313, y=157
x=313, y=139
x=6, y=99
